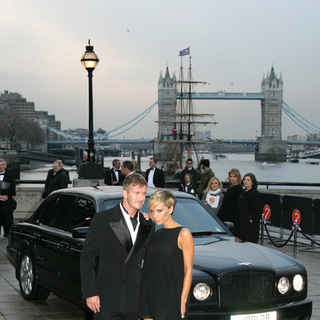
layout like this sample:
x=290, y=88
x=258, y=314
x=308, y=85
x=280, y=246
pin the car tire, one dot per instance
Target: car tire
x=28, y=282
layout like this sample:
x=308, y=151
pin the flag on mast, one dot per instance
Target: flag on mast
x=184, y=52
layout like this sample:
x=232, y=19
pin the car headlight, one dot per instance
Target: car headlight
x=201, y=291
x=298, y=282
x=283, y=285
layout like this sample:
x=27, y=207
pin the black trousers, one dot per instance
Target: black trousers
x=115, y=316
x=6, y=220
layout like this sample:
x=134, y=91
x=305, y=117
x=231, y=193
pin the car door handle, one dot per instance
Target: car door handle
x=65, y=244
x=37, y=236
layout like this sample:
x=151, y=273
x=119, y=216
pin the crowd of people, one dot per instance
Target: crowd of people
x=145, y=273
x=239, y=204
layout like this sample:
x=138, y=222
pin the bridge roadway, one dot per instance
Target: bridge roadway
x=14, y=307
x=248, y=143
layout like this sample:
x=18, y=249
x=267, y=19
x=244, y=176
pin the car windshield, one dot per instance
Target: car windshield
x=189, y=213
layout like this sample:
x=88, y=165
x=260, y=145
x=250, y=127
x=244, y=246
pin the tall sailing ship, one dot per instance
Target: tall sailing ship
x=178, y=121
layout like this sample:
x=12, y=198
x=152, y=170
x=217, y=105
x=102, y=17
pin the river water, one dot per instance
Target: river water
x=264, y=171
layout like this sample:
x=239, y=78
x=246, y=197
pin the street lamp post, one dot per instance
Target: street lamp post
x=91, y=169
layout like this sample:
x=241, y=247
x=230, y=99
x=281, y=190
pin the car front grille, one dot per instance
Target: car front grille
x=247, y=288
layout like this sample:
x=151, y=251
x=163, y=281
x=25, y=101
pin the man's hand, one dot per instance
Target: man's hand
x=94, y=303
x=4, y=198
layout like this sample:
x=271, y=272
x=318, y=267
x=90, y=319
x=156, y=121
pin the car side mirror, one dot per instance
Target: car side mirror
x=80, y=232
x=229, y=225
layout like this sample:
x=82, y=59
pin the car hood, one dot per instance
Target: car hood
x=220, y=255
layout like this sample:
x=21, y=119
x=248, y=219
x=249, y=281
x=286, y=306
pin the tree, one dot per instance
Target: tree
x=18, y=130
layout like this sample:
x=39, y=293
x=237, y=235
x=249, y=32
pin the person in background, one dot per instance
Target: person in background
x=113, y=176
x=126, y=169
x=248, y=214
x=135, y=167
x=118, y=237
x=187, y=185
x=167, y=271
x=7, y=194
x=206, y=176
x=228, y=209
x=212, y=196
x=191, y=170
x=59, y=180
x=51, y=173
x=154, y=176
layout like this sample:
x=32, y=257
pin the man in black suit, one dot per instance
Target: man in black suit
x=154, y=176
x=7, y=192
x=51, y=173
x=117, y=238
x=126, y=169
x=113, y=176
x=59, y=180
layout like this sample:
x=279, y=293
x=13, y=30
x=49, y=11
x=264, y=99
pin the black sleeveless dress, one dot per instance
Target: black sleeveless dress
x=163, y=275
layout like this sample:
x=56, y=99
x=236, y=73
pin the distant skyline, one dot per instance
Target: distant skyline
x=232, y=43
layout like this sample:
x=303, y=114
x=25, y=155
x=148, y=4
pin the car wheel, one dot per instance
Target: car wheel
x=28, y=282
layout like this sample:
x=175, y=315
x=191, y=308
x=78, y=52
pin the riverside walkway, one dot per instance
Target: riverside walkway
x=14, y=307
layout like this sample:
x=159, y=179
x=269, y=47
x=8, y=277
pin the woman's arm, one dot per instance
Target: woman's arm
x=186, y=244
x=254, y=206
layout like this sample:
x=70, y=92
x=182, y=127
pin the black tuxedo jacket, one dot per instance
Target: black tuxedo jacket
x=158, y=177
x=117, y=280
x=110, y=177
x=8, y=188
x=50, y=176
x=58, y=181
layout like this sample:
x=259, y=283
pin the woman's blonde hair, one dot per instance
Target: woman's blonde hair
x=162, y=196
x=209, y=184
x=237, y=173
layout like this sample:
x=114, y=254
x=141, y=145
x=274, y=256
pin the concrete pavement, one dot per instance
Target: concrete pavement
x=14, y=307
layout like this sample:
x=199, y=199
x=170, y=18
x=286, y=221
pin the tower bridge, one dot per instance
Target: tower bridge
x=269, y=147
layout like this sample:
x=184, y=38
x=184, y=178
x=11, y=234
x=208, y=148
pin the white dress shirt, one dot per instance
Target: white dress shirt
x=133, y=232
x=150, y=178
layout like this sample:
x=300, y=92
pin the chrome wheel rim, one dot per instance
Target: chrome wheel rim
x=26, y=275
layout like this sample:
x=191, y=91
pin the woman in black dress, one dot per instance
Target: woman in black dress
x=228, y=209
x=167, y=271
x=248, y=215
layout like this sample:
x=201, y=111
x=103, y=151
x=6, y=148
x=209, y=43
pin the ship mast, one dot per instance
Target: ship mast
x=183, y=120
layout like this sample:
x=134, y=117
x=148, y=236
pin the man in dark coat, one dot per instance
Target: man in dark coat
x=191, y=170
x=51, y=173
x=59, y=180
x=117, y=238
x=7, y=192
x=113, y=176
x=206, y=176
x=154, y=176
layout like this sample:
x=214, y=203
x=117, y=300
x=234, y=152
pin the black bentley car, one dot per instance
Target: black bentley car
x=231, y=280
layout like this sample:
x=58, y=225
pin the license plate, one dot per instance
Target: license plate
x=256, y=316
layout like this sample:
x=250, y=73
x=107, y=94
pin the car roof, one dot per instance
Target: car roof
x=111, y=192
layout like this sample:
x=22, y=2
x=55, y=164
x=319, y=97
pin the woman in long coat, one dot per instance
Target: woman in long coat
x=248, y=215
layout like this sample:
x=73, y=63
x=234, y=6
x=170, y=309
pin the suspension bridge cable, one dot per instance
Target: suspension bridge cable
x=135, y=121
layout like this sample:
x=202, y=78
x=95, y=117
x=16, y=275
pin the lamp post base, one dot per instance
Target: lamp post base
x=91, y=170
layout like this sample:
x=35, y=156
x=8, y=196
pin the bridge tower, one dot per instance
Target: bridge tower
x=271, y=107
x=271, y=145
x=167, y=87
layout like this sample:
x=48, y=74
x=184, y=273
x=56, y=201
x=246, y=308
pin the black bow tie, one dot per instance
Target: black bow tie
x=134, y=221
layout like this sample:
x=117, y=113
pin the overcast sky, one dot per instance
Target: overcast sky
x=231, y=41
